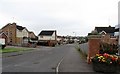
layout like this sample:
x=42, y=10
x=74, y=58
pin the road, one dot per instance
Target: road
x=46, y=59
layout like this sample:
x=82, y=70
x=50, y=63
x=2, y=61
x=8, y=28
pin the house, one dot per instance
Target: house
x=60, y=39
x=21, y=34
x=32, y=37
x=103, y=30
x=16, y=35
x=47, y=37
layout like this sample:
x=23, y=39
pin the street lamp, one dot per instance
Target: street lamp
x=74, y=33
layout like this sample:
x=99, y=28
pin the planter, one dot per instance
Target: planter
x=103, y=67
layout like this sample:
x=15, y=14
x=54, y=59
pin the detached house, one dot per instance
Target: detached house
x=103, y=30
x=47, y=37
x=21, y=34
x=17, y=35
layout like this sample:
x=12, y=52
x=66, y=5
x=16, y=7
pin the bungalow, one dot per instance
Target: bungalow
x=47, y=37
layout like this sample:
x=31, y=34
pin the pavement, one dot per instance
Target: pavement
x=74, y=62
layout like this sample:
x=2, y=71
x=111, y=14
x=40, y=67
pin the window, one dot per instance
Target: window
x=6, y=32
x=41, y=36
x=10, y=40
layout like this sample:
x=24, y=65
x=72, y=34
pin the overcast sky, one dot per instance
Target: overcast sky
x=68, y=17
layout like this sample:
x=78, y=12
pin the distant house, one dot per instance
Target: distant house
x=60, y=39
x=103, y=30
x=32, y=37
x=47, y=37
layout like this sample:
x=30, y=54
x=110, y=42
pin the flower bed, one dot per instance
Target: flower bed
x=105, y=62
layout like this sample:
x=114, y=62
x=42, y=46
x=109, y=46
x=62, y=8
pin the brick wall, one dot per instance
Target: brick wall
x=93, y=48
x=19, y=41
x=94, y=43
x=10, y=31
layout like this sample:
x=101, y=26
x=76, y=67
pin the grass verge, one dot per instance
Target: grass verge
x=9, y=50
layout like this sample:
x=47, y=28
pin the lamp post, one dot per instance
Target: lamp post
x=74, y=33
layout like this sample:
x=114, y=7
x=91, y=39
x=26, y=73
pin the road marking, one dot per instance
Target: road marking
x=57, y=68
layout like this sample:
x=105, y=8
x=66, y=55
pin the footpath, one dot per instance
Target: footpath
x=74, y=62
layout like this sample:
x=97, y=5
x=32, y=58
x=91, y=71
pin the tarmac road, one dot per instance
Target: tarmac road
x=64, y=58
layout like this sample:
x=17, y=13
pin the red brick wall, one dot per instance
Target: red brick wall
x=10, y=31
x=93, y=47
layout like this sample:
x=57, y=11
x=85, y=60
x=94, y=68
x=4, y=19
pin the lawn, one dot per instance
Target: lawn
x=8, y=50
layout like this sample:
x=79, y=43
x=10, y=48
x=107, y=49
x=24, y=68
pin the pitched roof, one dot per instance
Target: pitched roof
x=20, y=27
x=31, y=32
x=106, y=29
x=46, y=33
x=6, y=25
x=1, y=32
x=117, y=30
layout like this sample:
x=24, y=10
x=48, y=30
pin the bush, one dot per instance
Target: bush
x=108, y=48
